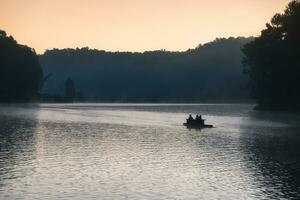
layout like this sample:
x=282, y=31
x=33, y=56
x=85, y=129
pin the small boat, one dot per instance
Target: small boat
x=197, y=123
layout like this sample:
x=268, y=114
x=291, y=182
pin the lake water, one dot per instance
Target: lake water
x=142, y=151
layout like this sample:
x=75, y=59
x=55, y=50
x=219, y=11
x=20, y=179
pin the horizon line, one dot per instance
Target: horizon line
x=142, y=51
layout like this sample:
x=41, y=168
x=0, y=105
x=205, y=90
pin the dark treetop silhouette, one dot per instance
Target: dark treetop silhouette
x=273, y=61
x=212, y=71
x=20, y=71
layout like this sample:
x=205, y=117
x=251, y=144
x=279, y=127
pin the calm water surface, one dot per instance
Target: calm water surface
x=126, y=151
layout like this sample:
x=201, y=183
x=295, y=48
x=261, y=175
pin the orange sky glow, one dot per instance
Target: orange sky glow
x=132, y=25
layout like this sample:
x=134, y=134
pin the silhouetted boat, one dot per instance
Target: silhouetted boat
x=197, y=123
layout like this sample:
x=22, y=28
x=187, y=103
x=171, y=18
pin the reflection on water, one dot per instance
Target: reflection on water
x=273, y=153
x=126, y=151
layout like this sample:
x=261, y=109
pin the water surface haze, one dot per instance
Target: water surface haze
x=142, y=151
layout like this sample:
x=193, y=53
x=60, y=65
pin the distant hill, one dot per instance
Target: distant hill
x=212, y=71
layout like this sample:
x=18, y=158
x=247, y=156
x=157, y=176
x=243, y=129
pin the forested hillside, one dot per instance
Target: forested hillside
x=212, y=71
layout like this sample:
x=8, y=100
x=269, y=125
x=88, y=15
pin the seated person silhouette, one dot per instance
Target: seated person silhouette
x=199, y=119
x=190, y=119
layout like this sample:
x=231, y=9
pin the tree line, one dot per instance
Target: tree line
x=209, y=72
x=272, y=61
x=20, y=71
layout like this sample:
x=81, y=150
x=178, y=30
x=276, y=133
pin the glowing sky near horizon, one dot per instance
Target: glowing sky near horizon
x=132, y=25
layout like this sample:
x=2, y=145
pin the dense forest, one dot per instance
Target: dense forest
x=273, y=61
x=20, y=71
x=210, y=72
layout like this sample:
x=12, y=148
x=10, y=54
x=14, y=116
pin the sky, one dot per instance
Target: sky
x=132, y=25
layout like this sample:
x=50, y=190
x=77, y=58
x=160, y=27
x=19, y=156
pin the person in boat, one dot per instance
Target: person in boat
x=199, y=119
x=190, y=119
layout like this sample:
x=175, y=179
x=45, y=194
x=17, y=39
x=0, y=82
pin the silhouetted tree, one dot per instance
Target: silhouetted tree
x=70, y=91
x=273, y=61
x=20, y=71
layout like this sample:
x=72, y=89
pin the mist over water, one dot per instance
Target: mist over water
x=142, y=151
